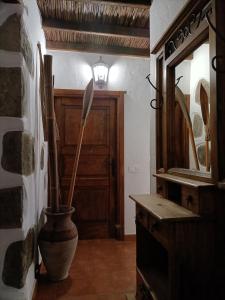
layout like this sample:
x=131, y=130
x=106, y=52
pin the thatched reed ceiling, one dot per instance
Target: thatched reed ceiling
x=116, y=27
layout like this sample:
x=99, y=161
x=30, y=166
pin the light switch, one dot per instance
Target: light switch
x=134, y=169
x=131, y=169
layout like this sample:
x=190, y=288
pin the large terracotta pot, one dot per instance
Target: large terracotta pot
x=57, y=242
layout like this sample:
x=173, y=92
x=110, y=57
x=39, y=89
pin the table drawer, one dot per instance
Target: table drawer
x=142, y=216
x=190, y=199
x=198, y=201
x=161, y=231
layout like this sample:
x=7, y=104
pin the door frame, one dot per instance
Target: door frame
x=118, y=96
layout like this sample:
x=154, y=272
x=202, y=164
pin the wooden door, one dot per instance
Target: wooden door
x=96, y=184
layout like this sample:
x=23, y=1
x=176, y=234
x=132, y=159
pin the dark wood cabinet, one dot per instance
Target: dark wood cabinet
x=181, y=230
x=175, y=251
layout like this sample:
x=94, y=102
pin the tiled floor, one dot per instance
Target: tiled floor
x=101, y=270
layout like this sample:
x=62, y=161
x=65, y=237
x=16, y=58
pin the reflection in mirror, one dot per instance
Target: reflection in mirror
x=192, y=111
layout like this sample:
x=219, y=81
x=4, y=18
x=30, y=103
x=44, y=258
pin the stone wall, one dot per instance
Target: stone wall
x=23, y=185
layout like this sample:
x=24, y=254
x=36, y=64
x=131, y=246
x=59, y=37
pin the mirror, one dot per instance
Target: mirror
x=192, y=111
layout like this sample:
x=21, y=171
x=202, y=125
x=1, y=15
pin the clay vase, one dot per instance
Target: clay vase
x=57, y=242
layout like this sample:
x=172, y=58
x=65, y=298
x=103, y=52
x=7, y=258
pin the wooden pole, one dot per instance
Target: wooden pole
x=75, y=165
x=52, y=144
x=43, y=93
x=87, y=101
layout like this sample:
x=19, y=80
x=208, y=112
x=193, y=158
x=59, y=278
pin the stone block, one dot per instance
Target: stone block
x=13, y=37
x=18, y=153
x=12, y=89
x=201, y=154
x=27, y=51
x=197, y=125
x=18, y=259
x=11, y=207
x=10, y=39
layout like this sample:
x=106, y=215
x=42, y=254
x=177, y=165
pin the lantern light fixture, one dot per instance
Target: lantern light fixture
x=100, y=73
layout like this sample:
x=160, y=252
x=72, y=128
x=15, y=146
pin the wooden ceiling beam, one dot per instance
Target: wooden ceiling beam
x=96, y=28
x=11, y=1
x=51, y=45
x=130, y=3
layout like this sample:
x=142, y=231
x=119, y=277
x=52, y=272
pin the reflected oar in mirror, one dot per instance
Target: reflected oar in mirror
x=204, y=101
x=180, y=98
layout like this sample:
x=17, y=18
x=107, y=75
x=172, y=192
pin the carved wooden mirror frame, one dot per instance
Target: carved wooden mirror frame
x=200, y=20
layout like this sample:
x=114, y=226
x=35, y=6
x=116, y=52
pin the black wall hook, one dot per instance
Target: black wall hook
x=155, y=103
x=148, y=78
x=215, y=67
x=214, y=28
x=222, y=38
x=178, y=80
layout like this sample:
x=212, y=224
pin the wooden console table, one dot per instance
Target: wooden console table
x=174, y=247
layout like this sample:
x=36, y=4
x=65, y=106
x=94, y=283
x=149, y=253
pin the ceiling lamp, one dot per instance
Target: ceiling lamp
x=100, y=72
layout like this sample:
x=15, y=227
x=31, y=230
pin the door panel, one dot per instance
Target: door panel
x=95, y=190
x=96, y=119
x=88, y=200
x=99, y=165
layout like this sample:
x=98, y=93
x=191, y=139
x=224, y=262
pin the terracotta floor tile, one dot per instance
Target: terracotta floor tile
x=101, y=270
x=100, y=297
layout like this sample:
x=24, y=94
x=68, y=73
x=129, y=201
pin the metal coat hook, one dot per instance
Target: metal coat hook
x=215, y=58
x=178, y=80
x=155, y=103
x=215, y=68
x=214, y=28
x=148, y=78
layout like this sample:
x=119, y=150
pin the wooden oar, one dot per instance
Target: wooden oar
x=180, y=98
x=54, y=190
x=42, y=93
x=87, y=101
x=204, y=102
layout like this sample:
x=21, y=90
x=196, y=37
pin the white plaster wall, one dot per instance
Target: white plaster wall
x=32, y=120
x=35, y=194
x=162, y=15
x=184, y=69
x=72, y=71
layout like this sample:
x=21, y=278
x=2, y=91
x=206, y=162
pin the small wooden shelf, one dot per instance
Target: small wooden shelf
x=162, y=209
x=184, y=181
x=158, y=281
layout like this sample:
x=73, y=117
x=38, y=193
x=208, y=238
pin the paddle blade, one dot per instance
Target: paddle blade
x=87, y=99
x=180, y=98
x=204, y=102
